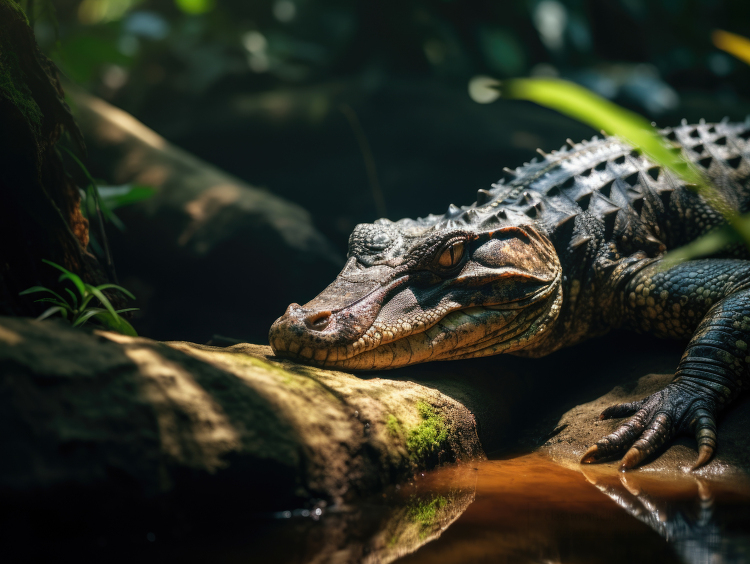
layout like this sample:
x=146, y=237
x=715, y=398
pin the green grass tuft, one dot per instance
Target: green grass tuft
x=76, y=308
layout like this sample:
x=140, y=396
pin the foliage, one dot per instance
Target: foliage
x=77, y=309
x=427, y=437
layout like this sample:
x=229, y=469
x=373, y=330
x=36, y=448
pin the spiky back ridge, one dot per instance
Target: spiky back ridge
x=604, y=190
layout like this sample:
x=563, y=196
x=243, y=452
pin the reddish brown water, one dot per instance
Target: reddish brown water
x=528, y=509
x=523, y=509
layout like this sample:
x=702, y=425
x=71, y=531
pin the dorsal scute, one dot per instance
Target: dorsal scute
x=603, y=178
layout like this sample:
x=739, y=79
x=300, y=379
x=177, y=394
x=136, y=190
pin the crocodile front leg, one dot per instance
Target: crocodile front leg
x=710, y=301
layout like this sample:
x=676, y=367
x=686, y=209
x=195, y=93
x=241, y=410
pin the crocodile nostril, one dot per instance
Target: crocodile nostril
x=318, y=321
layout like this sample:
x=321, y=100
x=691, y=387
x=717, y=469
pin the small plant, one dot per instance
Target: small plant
x=77, y=310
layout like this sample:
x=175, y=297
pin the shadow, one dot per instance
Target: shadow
x=518, y=401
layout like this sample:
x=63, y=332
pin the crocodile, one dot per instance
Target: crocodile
x=562, y=249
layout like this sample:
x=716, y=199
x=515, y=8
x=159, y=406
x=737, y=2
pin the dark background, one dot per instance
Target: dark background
x=277, y=92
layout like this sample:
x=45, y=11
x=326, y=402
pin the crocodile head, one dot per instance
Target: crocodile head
x=416, y=291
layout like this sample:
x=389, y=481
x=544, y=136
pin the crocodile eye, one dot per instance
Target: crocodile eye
x=451, y=255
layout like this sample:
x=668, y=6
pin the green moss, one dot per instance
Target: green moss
x=427, y=437
x=424, y=512
x=393, y=426
x=13, y=82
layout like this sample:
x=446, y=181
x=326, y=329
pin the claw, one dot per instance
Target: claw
x=631, y=459
x=704, y=455
x=653, y=437
x=705, y=433
x=590, y=455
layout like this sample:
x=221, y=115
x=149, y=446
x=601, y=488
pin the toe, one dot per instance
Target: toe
x=657, y=433
x=705, y=433
x=621, y=410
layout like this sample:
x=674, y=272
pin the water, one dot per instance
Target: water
x=519, y=509
x=522, y=509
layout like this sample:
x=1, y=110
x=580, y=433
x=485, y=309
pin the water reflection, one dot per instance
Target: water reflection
x=523, y=509
x=529, y=509
x=701, y=528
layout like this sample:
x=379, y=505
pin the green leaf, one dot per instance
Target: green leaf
x=128, y=309
x=34, y=289
x=102, y=298
x=73, y=297
x=194, y=7
x=118, y=196
x=116, y=323
x=51, y=311
x=116, y=287
x=63, y=305
x=88, y=314
x=67, y=275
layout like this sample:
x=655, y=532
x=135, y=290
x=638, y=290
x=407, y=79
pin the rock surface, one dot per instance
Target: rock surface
x=203, y=233
x=103, y=411
x=582, y=428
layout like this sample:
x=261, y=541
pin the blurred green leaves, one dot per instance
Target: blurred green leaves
x=195, y=7
x=583, y=105
x=82, y=56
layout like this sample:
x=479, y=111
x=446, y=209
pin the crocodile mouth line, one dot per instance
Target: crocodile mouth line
x=459, y=333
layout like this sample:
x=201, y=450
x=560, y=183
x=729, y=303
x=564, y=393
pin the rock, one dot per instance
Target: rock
x=101, y=412
x=208, y=253
x=582, y=428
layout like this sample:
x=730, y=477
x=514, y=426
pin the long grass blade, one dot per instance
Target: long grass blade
x=35, y=289
x=51, y=311
x=116, y=287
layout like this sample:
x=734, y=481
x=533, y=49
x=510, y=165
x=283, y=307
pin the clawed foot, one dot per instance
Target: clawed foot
x=655, y=420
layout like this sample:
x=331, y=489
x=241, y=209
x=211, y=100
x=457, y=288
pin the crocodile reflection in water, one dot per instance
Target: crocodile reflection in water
x=694, y=527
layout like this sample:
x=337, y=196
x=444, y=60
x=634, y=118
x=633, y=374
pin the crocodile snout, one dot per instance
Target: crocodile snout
x=317, y=335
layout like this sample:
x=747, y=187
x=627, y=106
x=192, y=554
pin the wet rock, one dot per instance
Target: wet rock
x=582, y=428
x=208, y=253
x=203, y=426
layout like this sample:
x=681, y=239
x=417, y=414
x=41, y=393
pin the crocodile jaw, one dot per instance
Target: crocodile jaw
x=463, y=333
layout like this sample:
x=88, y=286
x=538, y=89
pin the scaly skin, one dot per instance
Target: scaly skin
x=558, y=251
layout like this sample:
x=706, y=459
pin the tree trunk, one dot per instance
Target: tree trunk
x=40, y=216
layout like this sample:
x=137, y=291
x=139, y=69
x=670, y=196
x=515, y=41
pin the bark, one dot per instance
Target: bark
x=40, y=217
